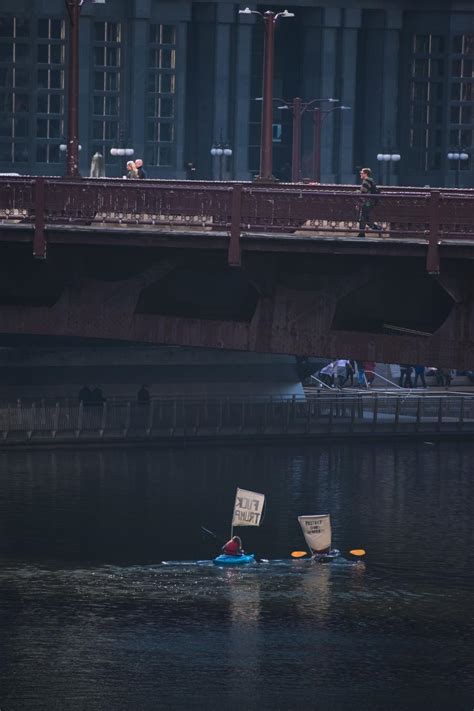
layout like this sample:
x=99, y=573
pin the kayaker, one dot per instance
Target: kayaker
x=233, y=547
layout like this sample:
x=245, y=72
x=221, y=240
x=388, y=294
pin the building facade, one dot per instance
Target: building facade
x=171, y=79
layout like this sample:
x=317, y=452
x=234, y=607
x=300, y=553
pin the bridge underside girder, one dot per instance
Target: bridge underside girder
x=336, y=304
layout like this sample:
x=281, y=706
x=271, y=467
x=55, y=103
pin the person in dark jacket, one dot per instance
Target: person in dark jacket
x=420, y=373
x=367, y=188
x=140, y=169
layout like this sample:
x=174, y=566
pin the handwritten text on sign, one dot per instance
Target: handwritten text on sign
x=248, y=508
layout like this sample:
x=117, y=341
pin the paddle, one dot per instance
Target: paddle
x=302, y=554
x=206, y=530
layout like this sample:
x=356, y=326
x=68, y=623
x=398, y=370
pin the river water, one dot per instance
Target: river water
x=91, y=619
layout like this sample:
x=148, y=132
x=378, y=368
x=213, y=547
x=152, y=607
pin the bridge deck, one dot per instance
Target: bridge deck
x=234, y=215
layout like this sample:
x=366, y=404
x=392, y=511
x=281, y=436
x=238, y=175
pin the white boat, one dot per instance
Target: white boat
x=317, y=533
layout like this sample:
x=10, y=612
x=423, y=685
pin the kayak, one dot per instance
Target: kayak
x=234, y=559
x=326, y=557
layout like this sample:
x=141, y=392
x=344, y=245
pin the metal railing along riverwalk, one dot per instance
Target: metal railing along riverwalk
x=174, y=418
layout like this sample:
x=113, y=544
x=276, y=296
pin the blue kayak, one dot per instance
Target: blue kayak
x=234, y=559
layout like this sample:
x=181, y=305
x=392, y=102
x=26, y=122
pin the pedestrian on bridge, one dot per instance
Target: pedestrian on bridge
x=367, y=188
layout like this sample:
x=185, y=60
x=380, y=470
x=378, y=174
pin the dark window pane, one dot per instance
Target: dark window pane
x=57, y=31
x=43, y=54
x=21, y=127
x=41, y=128
x=456, y=68
x=167, y=84
x=437, y=68
x=154, y=36
x=166, y=132
x=22, y=78
x=420, y=68
x=6, y=151
x=54, y=153
x=99, y=56
x=97, y=129
x=41, y=153
x=436, y=92
x=57, y=54
x=55, y=128
x=419, y=114
x=437, y=44
x=419, y=93
x=168, y=34
x=111, y=131
x=22, y=103
x=421, y=44
x=43, y=29
x=167, y=58
x=112, y=57
x=112, y=81
x=152, y=131
x=6, y=51
x=6, y=126
x=99, y=81
x=43, y=79
x=153, y=82
x=99, y=31
x=20, y=153
x=457, y=44
x=166, y=108
x=154, y=58
x=165, y=156
x=466, y=114
x=42, y=104
x=456, y=91
x=55, y=104
x=469, y=44
x=6, y=102
x=466, y=136
x=455, y=114
x=6, y=77
x=22, y=52
x=22, y=28
x=56, y=79
x=6, y=26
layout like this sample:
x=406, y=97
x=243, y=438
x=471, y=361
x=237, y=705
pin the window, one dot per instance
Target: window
x=50, y=54
x=426, y=110
x=107, y=86
x=161, y=88
x=461, y=111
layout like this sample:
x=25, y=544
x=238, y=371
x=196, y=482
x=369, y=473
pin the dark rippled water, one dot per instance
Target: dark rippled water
x=90, y=619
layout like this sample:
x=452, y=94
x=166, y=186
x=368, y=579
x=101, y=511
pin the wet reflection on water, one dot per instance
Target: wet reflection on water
x=90, y=618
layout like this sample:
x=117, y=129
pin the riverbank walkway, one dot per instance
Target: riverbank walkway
x=322, y=413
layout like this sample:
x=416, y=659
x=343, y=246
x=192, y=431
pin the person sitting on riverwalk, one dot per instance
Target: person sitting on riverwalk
x=233, y=547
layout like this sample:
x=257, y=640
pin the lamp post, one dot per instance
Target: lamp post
x=266, y=141
x=456, y=157
x=298, y=108
x=387, y=159
x=72, y=143
x=318, y=116
x=222, y=152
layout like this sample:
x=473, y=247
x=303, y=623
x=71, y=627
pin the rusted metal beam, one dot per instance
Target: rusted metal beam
x=432, y=257
x=234, y=255
x=39, y=241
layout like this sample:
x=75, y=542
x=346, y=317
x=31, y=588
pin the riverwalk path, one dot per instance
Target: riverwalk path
x=322, y=413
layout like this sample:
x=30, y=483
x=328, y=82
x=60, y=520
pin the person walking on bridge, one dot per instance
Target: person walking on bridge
x=367, y=188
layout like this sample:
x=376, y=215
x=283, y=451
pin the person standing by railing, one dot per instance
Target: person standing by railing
x=367, y=188
x=420, y=373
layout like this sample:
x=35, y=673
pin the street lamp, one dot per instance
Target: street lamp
x=458, y=155
x=387, y=159
x=222, y=152
x=298, y=108
x=266, y=143
x=318, y=116
x=74, y=12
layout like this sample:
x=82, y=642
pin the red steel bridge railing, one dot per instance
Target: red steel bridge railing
x=237, y=209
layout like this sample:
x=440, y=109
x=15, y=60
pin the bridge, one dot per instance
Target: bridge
x=274, y=268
